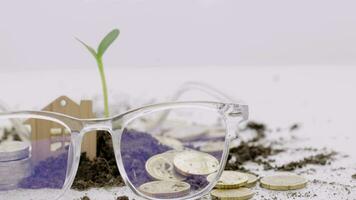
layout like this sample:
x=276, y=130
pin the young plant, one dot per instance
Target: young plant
x=98, y=55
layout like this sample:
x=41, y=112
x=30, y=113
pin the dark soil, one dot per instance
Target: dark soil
x=85, y=198
x=100, y=172
x=10, y=132
x=122, y=198
x=354, y=176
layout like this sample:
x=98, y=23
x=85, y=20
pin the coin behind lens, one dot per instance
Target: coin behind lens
x=232, y=194
x=161, y=167
x=213, y=146
x=216, y=133
x=229, y=179
x=187, y=132
x=171, y=142
x=165, y=189
x=14, y=150
x=283, y=182
x=195, y=163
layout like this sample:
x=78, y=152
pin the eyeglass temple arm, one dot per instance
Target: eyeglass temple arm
x=205, y=88
x=191, y=86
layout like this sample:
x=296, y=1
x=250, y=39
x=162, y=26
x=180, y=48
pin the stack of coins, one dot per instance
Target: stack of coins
x=233, y=185
x=15, y=163
x=236, y=186
x=170, y=170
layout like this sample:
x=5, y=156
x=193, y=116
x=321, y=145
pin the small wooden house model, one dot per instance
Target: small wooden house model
x=49, y=139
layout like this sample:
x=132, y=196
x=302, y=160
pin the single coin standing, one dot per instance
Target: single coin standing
x=195, y=163
x=232, y=194
x=283, y=182
x=160, y=167
x=14, y=150
x=165, y=189
x=229, y=179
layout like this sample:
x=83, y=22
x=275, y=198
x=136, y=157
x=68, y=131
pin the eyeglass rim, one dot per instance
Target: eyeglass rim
x=72, y=124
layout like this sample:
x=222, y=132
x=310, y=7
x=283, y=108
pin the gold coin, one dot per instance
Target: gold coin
x=195, y=163
x=232, y=194
x=252, y=180
x=213, y=146
x=171, y=142
x=161, y=167
x=229, y=179
x=165, y=189
x=283, y=182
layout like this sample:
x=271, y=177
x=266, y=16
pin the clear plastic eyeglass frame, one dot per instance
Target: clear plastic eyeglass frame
x=232, y=113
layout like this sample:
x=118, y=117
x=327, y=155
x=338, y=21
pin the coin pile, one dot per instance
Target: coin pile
x=15, y=163
x=170, y=170
x=233, y=185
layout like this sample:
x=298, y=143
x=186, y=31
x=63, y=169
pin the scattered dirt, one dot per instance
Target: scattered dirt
x=354, y=176
x=319, y=159
x=252, y=150
x=294, y=127
x=248, y=151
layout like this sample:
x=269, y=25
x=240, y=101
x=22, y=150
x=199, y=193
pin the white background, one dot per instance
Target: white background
x=40, y=33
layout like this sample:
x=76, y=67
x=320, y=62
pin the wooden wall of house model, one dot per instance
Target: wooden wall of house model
x=48, y=139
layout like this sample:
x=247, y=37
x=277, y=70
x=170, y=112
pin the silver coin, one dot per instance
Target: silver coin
x=14, y=150
x=160, y=167
x=195, y=163
x=165, y=189
x=13, y=171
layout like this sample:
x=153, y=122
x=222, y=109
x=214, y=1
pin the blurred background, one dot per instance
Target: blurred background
x=40, y=33
x=290, y=60
x=293, y=62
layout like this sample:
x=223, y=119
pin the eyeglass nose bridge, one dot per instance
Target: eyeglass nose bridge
x=102, y=125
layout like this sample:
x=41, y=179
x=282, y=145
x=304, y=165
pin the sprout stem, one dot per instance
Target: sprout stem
x=104, y=86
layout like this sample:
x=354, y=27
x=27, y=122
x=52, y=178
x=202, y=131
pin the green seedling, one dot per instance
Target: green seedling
x=98, y=55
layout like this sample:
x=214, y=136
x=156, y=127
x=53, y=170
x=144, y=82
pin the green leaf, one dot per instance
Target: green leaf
x=90, y=49
x=107, y=41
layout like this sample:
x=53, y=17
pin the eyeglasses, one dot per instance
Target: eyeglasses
x=163, y=151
